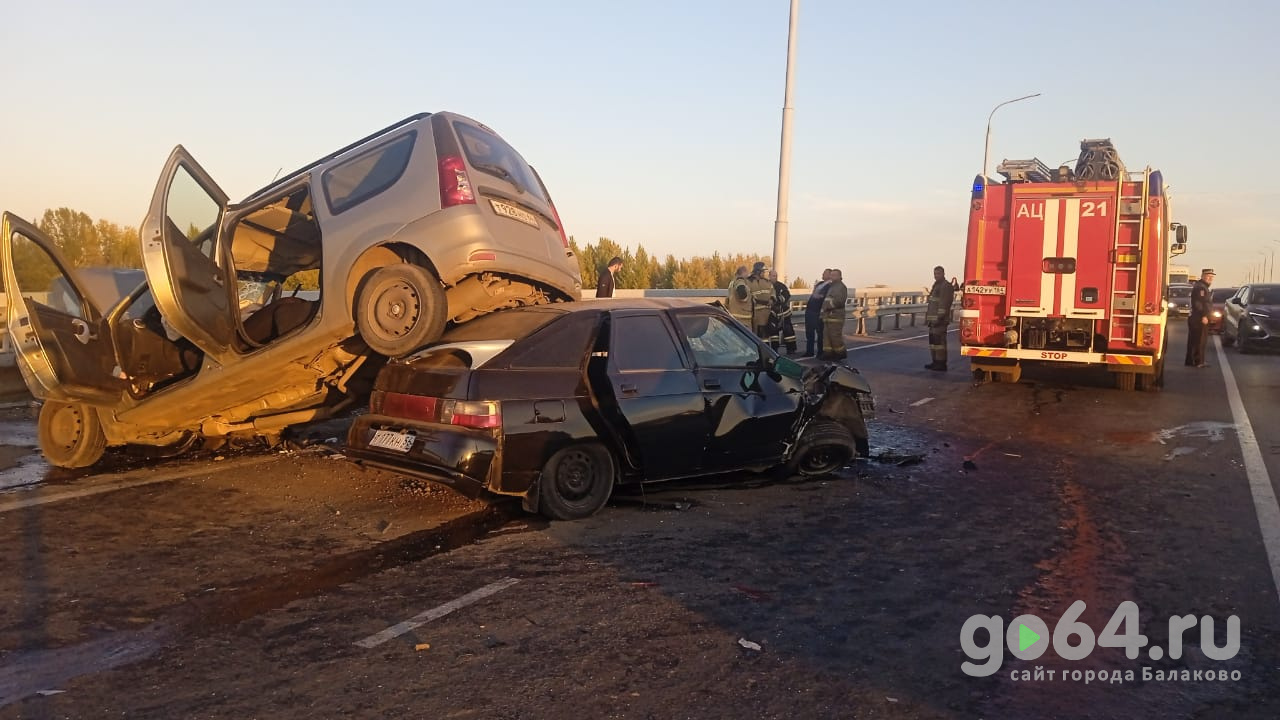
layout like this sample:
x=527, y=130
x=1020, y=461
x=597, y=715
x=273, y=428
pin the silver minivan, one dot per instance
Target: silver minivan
x=427, y=223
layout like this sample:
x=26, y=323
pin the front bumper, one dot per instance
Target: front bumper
x=1259, y=334
x=460, y=458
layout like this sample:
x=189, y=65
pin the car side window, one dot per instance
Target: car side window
x=367, y=174
x=717, y=343
x=642, y=342
x=192, y=212
x=40, y=280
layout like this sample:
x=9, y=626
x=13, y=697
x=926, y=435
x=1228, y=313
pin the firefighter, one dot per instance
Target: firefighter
x=784, y=333
x=1198, y=320
x=833, y=315
x=740, y=297
x=938, y=316
x=762, y=299
x=813, y=316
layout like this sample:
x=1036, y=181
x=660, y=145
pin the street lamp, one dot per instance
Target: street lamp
x=784, y=160
x=986, y=148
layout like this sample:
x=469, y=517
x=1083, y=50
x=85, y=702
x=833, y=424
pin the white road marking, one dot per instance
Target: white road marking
x=1264, y=496
x=890, y=342
x=435, y=613
x=918, y=403
x=32, y=496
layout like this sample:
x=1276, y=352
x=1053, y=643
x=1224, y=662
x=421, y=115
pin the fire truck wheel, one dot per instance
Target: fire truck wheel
x=1146, y=382
x=981, y=376
x=1126, y=380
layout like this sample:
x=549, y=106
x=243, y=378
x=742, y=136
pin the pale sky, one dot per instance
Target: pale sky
x=657, y=123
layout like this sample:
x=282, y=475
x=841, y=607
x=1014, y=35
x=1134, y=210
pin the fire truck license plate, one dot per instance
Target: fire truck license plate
x=983, y=289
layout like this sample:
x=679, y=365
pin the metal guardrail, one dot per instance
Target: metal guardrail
x=868, y=307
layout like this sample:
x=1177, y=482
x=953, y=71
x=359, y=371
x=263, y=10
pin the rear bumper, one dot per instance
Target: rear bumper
x=1002, y=356
x=459, y=458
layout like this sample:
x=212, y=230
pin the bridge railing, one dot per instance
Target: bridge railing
x=873, y=309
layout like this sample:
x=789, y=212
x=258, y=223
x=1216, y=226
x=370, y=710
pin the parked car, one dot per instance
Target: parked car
x=431, y=221
x=1179, y=297
x=1219, y=297
x=1251, y=318
x=558, y=403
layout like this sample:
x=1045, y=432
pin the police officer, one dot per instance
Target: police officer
x=938, y=317
x=1198, y=320
x=739, y=301
x=833, y=315
x=762, y=299
x=813, y=315
x=784, y=333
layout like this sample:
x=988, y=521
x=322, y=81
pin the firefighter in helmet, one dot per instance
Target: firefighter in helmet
x=784, y=332
x=833, y=316
x=739, y=301
x=762, y=298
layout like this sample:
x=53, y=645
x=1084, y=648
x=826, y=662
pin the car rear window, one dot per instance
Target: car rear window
x=502, y=325
x=559, y=345
x=487, y=153
x=367, y=174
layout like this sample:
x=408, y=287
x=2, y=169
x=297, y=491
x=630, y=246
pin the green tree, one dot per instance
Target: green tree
x=119, y=246
x=74, y=234
x=799, y=284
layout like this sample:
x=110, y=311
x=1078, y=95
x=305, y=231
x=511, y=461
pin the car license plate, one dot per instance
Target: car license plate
x=514, y=213
x=392, y=440
x=984, y=289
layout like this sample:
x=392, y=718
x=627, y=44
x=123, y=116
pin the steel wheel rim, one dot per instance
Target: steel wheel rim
x=396, y=310
x=822, y=460
x=575, y=475
x=66, y=427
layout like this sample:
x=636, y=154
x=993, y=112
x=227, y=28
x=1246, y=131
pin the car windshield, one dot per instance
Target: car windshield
x=1179, y=292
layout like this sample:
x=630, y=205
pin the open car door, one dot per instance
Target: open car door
x=60, y=336
x=181, y=254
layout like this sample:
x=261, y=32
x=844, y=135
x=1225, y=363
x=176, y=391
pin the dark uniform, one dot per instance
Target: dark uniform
x=604, y=288
x=938, y=317
x=784, y=333
x=813, y=319
x=1198, y=322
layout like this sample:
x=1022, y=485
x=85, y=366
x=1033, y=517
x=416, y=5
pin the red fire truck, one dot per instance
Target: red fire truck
x=1069, y=267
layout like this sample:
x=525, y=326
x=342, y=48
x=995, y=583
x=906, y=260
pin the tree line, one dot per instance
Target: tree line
x=86, y=243
x=642, y=270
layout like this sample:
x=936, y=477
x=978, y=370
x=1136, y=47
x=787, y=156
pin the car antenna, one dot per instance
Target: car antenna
x=278, y=174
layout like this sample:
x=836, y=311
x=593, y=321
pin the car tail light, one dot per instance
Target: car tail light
x=1148, y=335
x=968, y=328
x=455, y=185
x=969, y=301
x=464, y=413
x=468, y=413
x=564, y=239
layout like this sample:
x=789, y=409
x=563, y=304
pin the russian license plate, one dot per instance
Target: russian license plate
x=514, y=213
x=392, y=440
x=984, y=289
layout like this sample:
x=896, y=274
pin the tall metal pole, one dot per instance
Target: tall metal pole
x=784, y=161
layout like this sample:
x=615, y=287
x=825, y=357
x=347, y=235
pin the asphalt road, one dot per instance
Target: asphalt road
x=297, y=585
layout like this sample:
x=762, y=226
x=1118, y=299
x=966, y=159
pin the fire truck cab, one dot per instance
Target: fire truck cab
x=1069, y=267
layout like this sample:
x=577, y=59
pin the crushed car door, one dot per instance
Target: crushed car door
x=657, y=395
x=749, y=411
x=61, y=338
x=181, y=254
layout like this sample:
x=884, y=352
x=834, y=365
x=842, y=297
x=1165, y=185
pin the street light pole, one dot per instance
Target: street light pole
x=784, y=159
x=986, y=147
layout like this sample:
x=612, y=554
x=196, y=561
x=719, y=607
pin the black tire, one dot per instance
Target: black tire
x=576, y=482
x=400, y=308
x=1227, y=340
x=825, y=446
x=1126, y=381
x=1147, y=382
x=70, y=434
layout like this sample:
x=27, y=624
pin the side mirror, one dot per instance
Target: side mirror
x=1179, y=238
x=1237, y=301
x=1178, y=249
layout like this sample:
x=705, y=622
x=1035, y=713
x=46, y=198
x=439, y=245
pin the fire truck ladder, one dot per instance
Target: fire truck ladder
x=1126, y=269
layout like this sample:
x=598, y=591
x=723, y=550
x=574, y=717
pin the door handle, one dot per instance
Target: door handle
x=711, y=384
x=628, y=389
x=82, y=331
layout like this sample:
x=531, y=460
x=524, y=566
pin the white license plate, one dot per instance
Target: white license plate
x=514, y=213
x=392, y=440
x=984, y=289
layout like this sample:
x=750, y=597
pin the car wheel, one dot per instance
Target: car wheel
x=576, y=482
x=825, y=446
x=401, y=308
x=70, y=434
x=1227, y=338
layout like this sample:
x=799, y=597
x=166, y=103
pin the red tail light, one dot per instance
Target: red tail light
x=455, y=184
x=464, y=413
x=564, y=239
x=968, y=328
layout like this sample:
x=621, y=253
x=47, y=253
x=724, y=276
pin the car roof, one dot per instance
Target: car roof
x=518, y=322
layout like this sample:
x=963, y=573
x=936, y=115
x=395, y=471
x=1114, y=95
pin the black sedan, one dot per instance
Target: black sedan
x=1251, y=318
x=557, y=403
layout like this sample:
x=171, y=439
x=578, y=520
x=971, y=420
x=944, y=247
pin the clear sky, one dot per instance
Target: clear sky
x=657, y=123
